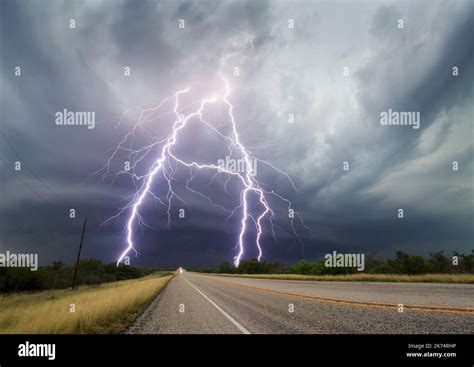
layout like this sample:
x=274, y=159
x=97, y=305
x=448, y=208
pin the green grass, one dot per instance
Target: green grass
x=423, y=278
x=107, y=308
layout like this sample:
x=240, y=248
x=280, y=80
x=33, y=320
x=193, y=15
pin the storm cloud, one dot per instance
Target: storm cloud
x=335, y=72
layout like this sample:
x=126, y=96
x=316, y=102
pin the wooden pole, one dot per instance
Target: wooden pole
x=79, y=255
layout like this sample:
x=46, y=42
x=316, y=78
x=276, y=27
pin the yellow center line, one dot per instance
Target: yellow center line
x=424, y=308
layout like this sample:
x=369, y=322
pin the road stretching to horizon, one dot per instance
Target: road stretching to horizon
x=208, y=304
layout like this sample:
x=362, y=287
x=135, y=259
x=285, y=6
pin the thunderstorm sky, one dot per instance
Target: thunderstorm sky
x=287, y=71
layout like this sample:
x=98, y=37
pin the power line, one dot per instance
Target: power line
x=27, y=165
x=18, y=177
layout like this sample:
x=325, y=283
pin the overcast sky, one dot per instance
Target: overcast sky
x=283, y=71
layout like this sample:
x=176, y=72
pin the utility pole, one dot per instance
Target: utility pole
x=79, y=254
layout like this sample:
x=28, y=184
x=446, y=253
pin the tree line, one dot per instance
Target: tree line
x=402, y=263
x=58, y=275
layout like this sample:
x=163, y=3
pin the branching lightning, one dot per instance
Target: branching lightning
x=162, y=168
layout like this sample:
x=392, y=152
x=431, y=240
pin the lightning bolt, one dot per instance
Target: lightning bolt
x=162, y=166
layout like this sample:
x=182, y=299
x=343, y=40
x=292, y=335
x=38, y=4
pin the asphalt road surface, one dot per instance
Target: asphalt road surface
x=197, y=304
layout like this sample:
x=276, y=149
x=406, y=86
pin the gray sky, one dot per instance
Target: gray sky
x=283, y=71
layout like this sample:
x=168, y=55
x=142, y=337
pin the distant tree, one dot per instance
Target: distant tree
x=225, y=268
x=439, y=263
x=253, y=266
x=304, y=267
x=407, y=264
x=91, y=271
x=416, y=265
x=58, y=265
x=373, y=263
x=274, y=267
x=466, y=262
x=397, y=265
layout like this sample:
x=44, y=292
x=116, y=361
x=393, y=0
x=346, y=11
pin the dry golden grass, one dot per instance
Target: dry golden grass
x=423, y=278
x=104, y=309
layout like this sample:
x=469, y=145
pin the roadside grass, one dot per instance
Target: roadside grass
x=422, y=278
x=107, y=308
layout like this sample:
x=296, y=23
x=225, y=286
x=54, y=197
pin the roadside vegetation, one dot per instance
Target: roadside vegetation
x=437, y=267
x=58, y=276
x=106, y=308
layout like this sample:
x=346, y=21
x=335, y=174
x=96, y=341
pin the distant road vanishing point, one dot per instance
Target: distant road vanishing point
x=208, y=304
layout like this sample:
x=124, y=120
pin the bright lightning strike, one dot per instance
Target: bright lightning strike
x=162, y=168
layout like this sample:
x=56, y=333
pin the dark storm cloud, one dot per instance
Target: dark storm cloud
x=297, y=72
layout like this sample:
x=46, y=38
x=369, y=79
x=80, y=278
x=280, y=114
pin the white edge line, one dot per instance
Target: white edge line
x=235, y=322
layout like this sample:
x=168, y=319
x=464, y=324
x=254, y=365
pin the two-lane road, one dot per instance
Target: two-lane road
x=197, y=303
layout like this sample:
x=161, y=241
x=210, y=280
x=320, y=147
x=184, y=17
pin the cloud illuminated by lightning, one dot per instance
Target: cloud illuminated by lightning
x=161, y=168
